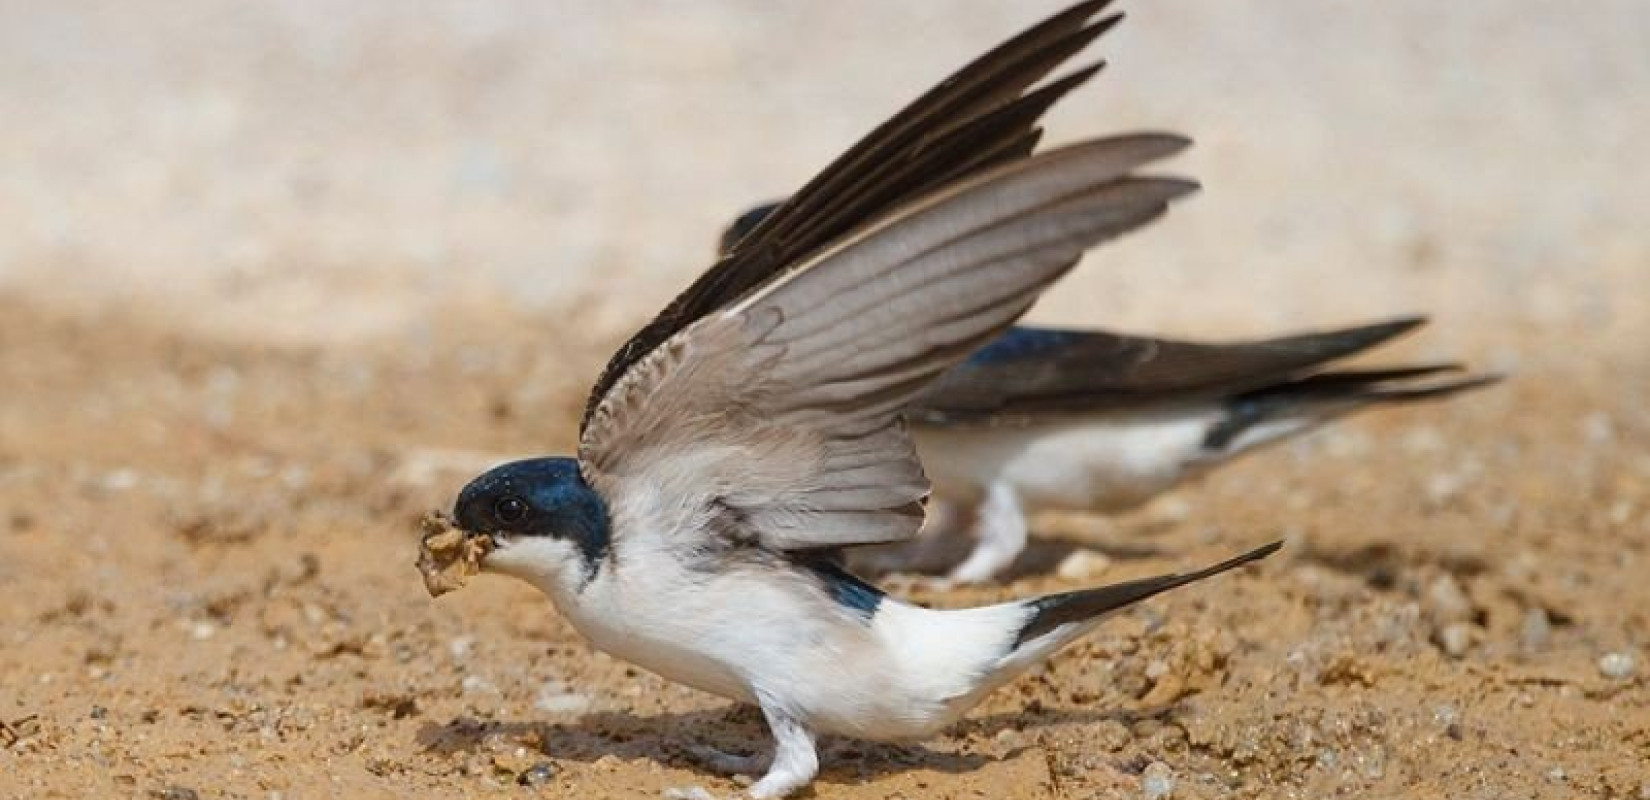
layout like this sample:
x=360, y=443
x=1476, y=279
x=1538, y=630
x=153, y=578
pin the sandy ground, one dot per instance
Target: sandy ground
x=276, y=280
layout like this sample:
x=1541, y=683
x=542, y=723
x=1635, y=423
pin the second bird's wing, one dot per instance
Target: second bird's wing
x=776, y=421
x=1030, y=373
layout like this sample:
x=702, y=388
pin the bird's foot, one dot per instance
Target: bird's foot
x=795, y=760
x=1000, y=528
x=778, y=783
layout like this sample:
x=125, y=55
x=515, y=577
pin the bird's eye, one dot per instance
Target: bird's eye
x=510, y=509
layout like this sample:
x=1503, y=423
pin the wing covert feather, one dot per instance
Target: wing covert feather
x=777, y=420
x=1033, y=373
x=983, y=115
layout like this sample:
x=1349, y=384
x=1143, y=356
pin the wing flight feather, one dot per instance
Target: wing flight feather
x=778, y=418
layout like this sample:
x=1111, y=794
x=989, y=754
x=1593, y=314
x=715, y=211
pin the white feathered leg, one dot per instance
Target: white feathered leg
x=1000, y=536
x=795, y=761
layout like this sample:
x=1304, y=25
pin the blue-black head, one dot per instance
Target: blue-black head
x=542, y=500
x=741, y=227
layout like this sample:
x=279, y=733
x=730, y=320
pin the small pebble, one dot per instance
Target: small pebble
x=555, y=698
x=1455, y=638
x=689, y=793
x=1157, y=782
x=1443, y=487
x=1537, y=629
x=1450, y=718
x=1424, y=440
x=1621, y=513
x=1172, y=510
x=1598, y=428
x=175, y=793
x=1083, y=565
x=1446, y=602
x=537, y=775
x=120, y=480
x=1342, y=443
x=1616, y=666
x=1556, y=775
x=1112, y=735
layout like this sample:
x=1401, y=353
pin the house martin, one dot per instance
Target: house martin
x=1049, y=419
x=756, y=427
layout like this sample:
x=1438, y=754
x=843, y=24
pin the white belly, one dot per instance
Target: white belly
x=702, y=630
x=750, y=636
x=1094, y=463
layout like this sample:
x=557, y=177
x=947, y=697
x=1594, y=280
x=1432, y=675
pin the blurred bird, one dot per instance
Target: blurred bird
x=755, y=426
x=1045, y=419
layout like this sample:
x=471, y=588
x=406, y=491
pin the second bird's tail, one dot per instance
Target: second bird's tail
x=1264, y=415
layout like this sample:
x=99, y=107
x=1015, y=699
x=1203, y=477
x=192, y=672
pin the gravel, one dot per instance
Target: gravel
x=1083, y=565
x=690, y=793
x=1445, y=602
x=1455, y=639
x=1157, y=782
x=555, y=697
x=1616, y=666
x=537, y=775
x=1537, y=629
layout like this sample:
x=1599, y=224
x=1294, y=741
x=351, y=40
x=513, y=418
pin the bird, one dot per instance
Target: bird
x=1087, y=420
x=755, y=429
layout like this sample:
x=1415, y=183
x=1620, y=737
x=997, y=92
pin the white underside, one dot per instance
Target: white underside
x=755, y=634
x=1103, y=464
x=997, y=476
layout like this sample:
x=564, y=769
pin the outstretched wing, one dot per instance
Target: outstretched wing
x=1031, y=373
x=777, y=420
x=1035, y=372
x=983, y=116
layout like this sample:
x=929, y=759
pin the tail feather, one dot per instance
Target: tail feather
x=1056, y=610
x=1320, y=397
x=1362, y=378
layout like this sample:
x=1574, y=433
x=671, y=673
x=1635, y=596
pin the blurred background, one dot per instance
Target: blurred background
x=325, y=171
x=276, y=278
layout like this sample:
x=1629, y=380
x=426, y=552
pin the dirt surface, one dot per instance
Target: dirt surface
x=308, y=285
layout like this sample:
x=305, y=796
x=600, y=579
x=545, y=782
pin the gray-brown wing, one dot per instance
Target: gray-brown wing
x=1037, y=372
x=984, y=115
x=778, y=421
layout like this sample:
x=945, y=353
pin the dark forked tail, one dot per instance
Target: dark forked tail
x=1055, y=610
x=1318, y=398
